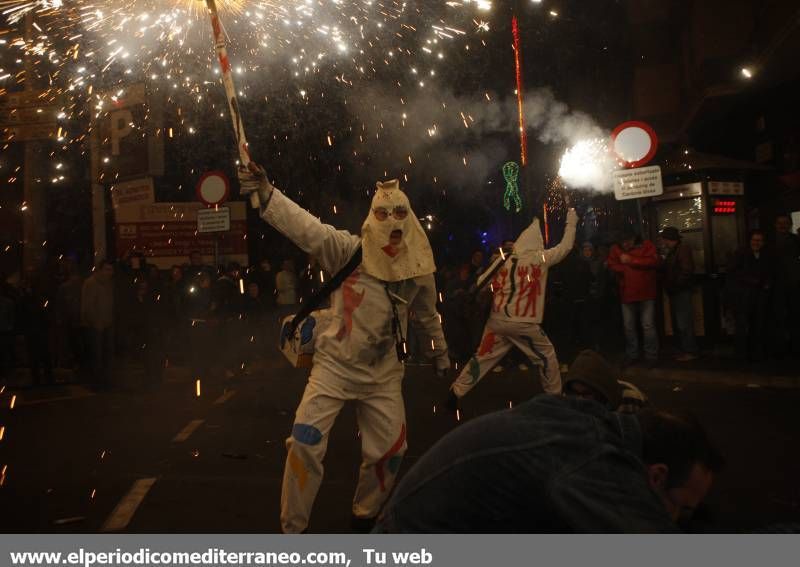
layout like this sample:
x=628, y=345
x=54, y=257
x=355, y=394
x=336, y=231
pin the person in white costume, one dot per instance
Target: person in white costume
x=358, y=356
x=518, y=289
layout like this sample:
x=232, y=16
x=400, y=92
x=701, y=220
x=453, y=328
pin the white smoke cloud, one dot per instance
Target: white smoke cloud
x=434, y=127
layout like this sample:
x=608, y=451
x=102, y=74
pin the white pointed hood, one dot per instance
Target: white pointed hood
x=530, y=243
x=413, y=257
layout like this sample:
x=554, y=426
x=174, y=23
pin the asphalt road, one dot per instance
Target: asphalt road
x=166, y=460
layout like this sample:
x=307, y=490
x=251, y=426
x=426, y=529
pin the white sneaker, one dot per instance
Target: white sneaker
x=498, y=369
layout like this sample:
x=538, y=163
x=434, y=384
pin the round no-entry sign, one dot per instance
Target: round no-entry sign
x=213, y=188
x=634, y=142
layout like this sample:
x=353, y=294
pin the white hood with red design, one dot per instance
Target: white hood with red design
x=519, y=286
x=412, y=257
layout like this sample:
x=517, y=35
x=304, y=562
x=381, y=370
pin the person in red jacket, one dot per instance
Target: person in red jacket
x=635, y=262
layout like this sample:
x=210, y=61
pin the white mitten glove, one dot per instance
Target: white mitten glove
x=253, y=181
x=572, y=217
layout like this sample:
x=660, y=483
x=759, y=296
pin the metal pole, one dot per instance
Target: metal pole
x=98, y=192
x=34, y=224
x=641, y=218
x=230, y=91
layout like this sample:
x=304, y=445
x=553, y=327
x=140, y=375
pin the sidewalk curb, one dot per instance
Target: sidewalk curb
x=716, y=377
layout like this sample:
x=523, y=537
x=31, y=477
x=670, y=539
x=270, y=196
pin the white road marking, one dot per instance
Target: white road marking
x=184, y=433
x=76, y=393
x=225, y=397
x=123, y=513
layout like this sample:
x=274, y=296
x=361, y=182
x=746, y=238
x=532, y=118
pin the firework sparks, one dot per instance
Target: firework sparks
x=587, y=165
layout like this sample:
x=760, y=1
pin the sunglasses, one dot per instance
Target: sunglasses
x=382, y=213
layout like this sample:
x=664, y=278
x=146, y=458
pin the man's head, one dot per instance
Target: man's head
x=288, y=266
x=592, y=377
x=477, y=258
x=234, y=270
x=389, y=213
x=587, y=250
x=142, y=287
x=627, y=240
x=756, y=240
x=680, y=460
x=104, y=270
x=252, y=290
x=176, y=273
x=394, y=245
x=196, y=258
x=136, y=261
x=508, y=246
x=783, y=224
x=670, y=236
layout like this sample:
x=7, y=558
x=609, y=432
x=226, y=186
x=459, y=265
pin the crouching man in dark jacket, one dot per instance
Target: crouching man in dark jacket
x=557, y=464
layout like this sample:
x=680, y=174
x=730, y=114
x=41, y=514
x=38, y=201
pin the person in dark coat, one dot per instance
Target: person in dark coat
x=678, y=270
x=68, y=314
x=786, y=292
x=750, y=276
x=35, y=317
x=558, y=464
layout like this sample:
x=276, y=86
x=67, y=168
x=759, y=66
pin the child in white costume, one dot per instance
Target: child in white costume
x=356, y=356
x=518, y=289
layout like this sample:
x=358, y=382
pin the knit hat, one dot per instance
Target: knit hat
x=670, y=233
x=592, y=370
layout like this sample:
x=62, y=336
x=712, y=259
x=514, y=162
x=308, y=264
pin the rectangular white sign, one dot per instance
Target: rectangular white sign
x=725, y=188
x=638, y=182
x=214, y=220
x=133, y=193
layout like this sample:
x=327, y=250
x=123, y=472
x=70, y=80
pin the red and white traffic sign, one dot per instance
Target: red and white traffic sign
x=635, y=143
x=213, y=188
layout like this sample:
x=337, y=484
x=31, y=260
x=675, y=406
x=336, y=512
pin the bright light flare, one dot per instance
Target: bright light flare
x=587, y=165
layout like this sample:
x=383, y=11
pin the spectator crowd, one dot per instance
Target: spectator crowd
x=132, y=313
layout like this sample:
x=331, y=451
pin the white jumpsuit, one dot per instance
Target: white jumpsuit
x=355, y=359
x=517, y=309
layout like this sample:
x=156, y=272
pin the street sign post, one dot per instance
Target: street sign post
x=214, y=220
x=213, y=188
x=638, y=182
x=634, y=142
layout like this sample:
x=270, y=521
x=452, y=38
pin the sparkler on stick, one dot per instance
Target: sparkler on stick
x=230, y=92
x=523, y=137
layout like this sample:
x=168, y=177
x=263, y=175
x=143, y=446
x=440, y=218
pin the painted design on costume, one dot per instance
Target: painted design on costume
x=487, y=344
x=536, y=352
x=391, y=455
x=498, y=285
x=474, y=370
x=530, y=288
x=299, y=469
x=512, y=281
x=306, y=330
x=352, y=300
x=390, y=250
x=306, y=434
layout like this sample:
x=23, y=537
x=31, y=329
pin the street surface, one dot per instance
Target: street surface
x=166, y=460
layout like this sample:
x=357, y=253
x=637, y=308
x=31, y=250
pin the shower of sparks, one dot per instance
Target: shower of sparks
x=82, y=48
x=523, y=136
x=587, y=165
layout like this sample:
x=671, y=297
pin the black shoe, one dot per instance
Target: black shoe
x=451, y=403
x=361, y=525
